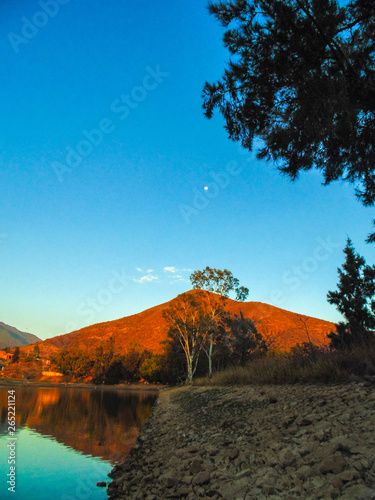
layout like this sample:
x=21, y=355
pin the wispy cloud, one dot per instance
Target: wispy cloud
x=146, y=278
x=175, y=278
x=170, y=269
x=171, y=274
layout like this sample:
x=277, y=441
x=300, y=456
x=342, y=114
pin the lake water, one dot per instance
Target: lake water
x=67, y=439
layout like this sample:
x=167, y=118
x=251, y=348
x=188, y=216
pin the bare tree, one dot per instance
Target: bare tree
x=270, y=337
x=304, y=322
x=187, y=322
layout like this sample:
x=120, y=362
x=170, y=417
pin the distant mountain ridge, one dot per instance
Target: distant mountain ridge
x=12, y=337
x=148, y=329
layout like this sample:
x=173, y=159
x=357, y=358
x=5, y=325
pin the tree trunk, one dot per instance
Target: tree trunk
x=190, y=370
x=210, y=356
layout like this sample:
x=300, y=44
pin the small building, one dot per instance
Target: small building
x=6, y=355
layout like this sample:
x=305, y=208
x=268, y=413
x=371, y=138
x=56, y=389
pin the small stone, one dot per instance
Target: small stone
x=288, y=421
x=345, y=444
x=303, y=421
x=332, y=463
x=101, y=484
x=358, y=492
x=358, y=466
x=253, y=493
x=348, y=475
x=318, y=482
x=186, y=479
x=322, y=435
x=212, y=492
x=332, y=492
x=284, y=483
x=304, y=472
x=202, y=478
x=192, y=449
x=286, y=458
x=236, y=489
x=212, y=451
x=183, y=491
x=336, y=482
x=328, y=449
x=359, y=450
x=169, y=481
x=233, y=453
x=195, y=466
x=268, y=489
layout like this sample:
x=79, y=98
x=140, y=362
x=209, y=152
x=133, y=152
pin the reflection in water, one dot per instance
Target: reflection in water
x=46, y=470
x=99, y=422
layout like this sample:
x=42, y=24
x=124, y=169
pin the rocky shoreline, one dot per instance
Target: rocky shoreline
x=262, y=442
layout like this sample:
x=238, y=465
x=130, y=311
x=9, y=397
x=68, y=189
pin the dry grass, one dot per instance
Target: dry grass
x=302, y=365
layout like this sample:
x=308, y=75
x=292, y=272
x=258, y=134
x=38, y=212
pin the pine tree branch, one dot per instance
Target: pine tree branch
x=332, y=44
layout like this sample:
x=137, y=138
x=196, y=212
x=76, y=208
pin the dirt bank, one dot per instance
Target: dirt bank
x=264, y=442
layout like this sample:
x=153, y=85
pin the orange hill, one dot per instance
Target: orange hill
x=148, y=329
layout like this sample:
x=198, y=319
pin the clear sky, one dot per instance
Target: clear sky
x=105, y=157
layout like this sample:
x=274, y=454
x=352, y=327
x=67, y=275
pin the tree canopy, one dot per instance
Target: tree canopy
x=221, y=282
x=302, y=80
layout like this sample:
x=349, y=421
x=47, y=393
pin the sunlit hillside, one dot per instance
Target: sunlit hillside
x=148, y=329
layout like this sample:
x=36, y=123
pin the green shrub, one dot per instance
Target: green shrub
x=151, y=368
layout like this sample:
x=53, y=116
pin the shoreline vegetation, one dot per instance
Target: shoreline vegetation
x=306, y=363
x=78, y=385
x=303, y=363
x=289, y=441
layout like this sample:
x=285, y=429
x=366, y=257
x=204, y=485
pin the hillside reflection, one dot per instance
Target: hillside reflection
x=99, y=422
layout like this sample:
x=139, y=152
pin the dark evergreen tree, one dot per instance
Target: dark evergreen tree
x=132, y=360
x=174, y=361
x=302, y=80
x=103, y=358
x=16, y=355
x=355, y=299
x=243, y=340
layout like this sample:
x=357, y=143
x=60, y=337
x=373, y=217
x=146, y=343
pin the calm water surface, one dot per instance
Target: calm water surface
x=68, y=439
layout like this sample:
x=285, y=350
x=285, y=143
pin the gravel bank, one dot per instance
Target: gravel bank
x=263, y=442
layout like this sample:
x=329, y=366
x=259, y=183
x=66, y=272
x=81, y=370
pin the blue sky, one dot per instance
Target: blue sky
x=105, y=156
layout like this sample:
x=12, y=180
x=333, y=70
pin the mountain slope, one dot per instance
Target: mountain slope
x=148, y=329
x=11, y=337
